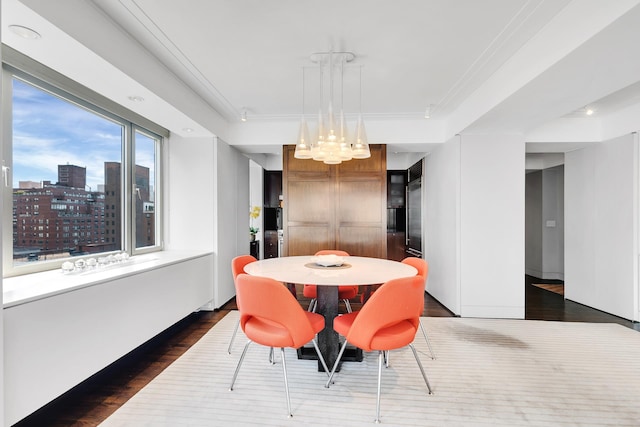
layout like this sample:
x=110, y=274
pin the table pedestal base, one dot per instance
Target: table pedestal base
x=351, y=354
x=328, y=339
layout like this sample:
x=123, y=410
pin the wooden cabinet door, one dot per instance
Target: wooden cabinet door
x=309, y=208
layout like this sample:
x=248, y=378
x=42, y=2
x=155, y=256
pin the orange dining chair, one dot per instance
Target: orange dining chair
x=345, y=292
x=389, y=320
x=271, y=316
x=237, y=267
x=423, y=270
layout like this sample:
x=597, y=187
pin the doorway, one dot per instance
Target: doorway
x=544, y=226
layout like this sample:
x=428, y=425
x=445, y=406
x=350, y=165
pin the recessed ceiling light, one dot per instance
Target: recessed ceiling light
x=427, y=113
x=187, y=130
x=25, y=32
x=136, y=98
x=589, y=111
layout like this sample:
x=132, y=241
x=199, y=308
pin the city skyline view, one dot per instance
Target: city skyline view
x=49, y=131
x=62, y=154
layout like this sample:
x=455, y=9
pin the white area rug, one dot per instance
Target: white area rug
x=487, y=373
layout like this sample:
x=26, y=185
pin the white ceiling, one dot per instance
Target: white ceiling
x=250, y=53
x=482, y=66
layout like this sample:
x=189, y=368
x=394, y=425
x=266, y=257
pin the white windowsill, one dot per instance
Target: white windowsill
x=31, y=287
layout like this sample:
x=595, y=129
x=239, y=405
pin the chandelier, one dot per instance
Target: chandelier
x=331, y=143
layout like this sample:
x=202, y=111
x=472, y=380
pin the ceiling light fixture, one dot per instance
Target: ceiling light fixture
x=427, y=113
x=303, y=145
x=25, y=32
x=331, y=145
x=136, y=98
x=243, y=116
x=589, y=111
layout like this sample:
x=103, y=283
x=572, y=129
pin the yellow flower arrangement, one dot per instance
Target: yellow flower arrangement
x=254, y=213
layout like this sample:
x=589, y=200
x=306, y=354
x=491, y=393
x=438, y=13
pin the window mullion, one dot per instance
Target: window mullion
x=128, y=213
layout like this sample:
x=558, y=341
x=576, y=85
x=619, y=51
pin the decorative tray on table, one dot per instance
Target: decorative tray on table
x=327, y=261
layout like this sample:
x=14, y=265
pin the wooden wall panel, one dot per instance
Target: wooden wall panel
x=307, y=240
x=305, y=166
x=375, y=164
x=310, y=201
x=335, y=206
x=359, y=201
x=363, y=241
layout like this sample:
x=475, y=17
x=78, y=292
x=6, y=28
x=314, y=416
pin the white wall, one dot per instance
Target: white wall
x=441, y=223
x=1, y=272
x=492, y=184
x=54, y=343
x=189, y=177
x=231, y=215
x=270, y=162
x=601, y=226
x=474, y=225
x=553, y=223
x=256, y=196
x=533, y=224
x=544, y=238
x=401, y=161
x=209, y=205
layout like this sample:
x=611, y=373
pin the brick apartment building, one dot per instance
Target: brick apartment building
x=62, y=219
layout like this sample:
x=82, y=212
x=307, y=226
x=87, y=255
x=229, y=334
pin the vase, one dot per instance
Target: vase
x=252, y=237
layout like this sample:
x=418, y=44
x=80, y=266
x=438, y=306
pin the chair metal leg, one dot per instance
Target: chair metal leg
x=233, y=337
x=347, y=305
x=380, y=357
x=324, y=364
x=286, y=383
x=335, y=365
x=312, y=305
x=272, y=359
x=386, y=354
x=426, y=338
x=235, y=374
x=415, y=354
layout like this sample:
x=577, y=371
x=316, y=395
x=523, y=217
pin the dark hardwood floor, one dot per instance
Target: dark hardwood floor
x=545, y=305
x=95, y=399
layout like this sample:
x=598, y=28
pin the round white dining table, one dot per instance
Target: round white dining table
x=354, y=270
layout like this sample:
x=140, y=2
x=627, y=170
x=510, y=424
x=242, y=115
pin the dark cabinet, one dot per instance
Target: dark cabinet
x=272, y=188
x=270, y=244
x=254, y=249
x=395, y=246
x=396, y=188
x=396, y=214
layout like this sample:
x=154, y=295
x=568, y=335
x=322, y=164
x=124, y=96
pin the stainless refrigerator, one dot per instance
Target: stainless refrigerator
x=414, y=217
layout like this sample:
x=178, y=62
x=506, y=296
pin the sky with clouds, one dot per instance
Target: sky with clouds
x=49, y=131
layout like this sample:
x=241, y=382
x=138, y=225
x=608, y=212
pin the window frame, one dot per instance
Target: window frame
x=18, y=66
x=157, y=167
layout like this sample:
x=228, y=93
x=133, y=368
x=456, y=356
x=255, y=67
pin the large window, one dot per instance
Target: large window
x=81, y=181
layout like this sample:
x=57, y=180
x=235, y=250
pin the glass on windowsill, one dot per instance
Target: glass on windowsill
x=67, y=267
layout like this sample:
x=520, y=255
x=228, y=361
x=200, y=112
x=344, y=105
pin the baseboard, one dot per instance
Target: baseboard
x=534, y=273
x=207, y=307
x=494, y=312
x=544, y=275
x=553, y=276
